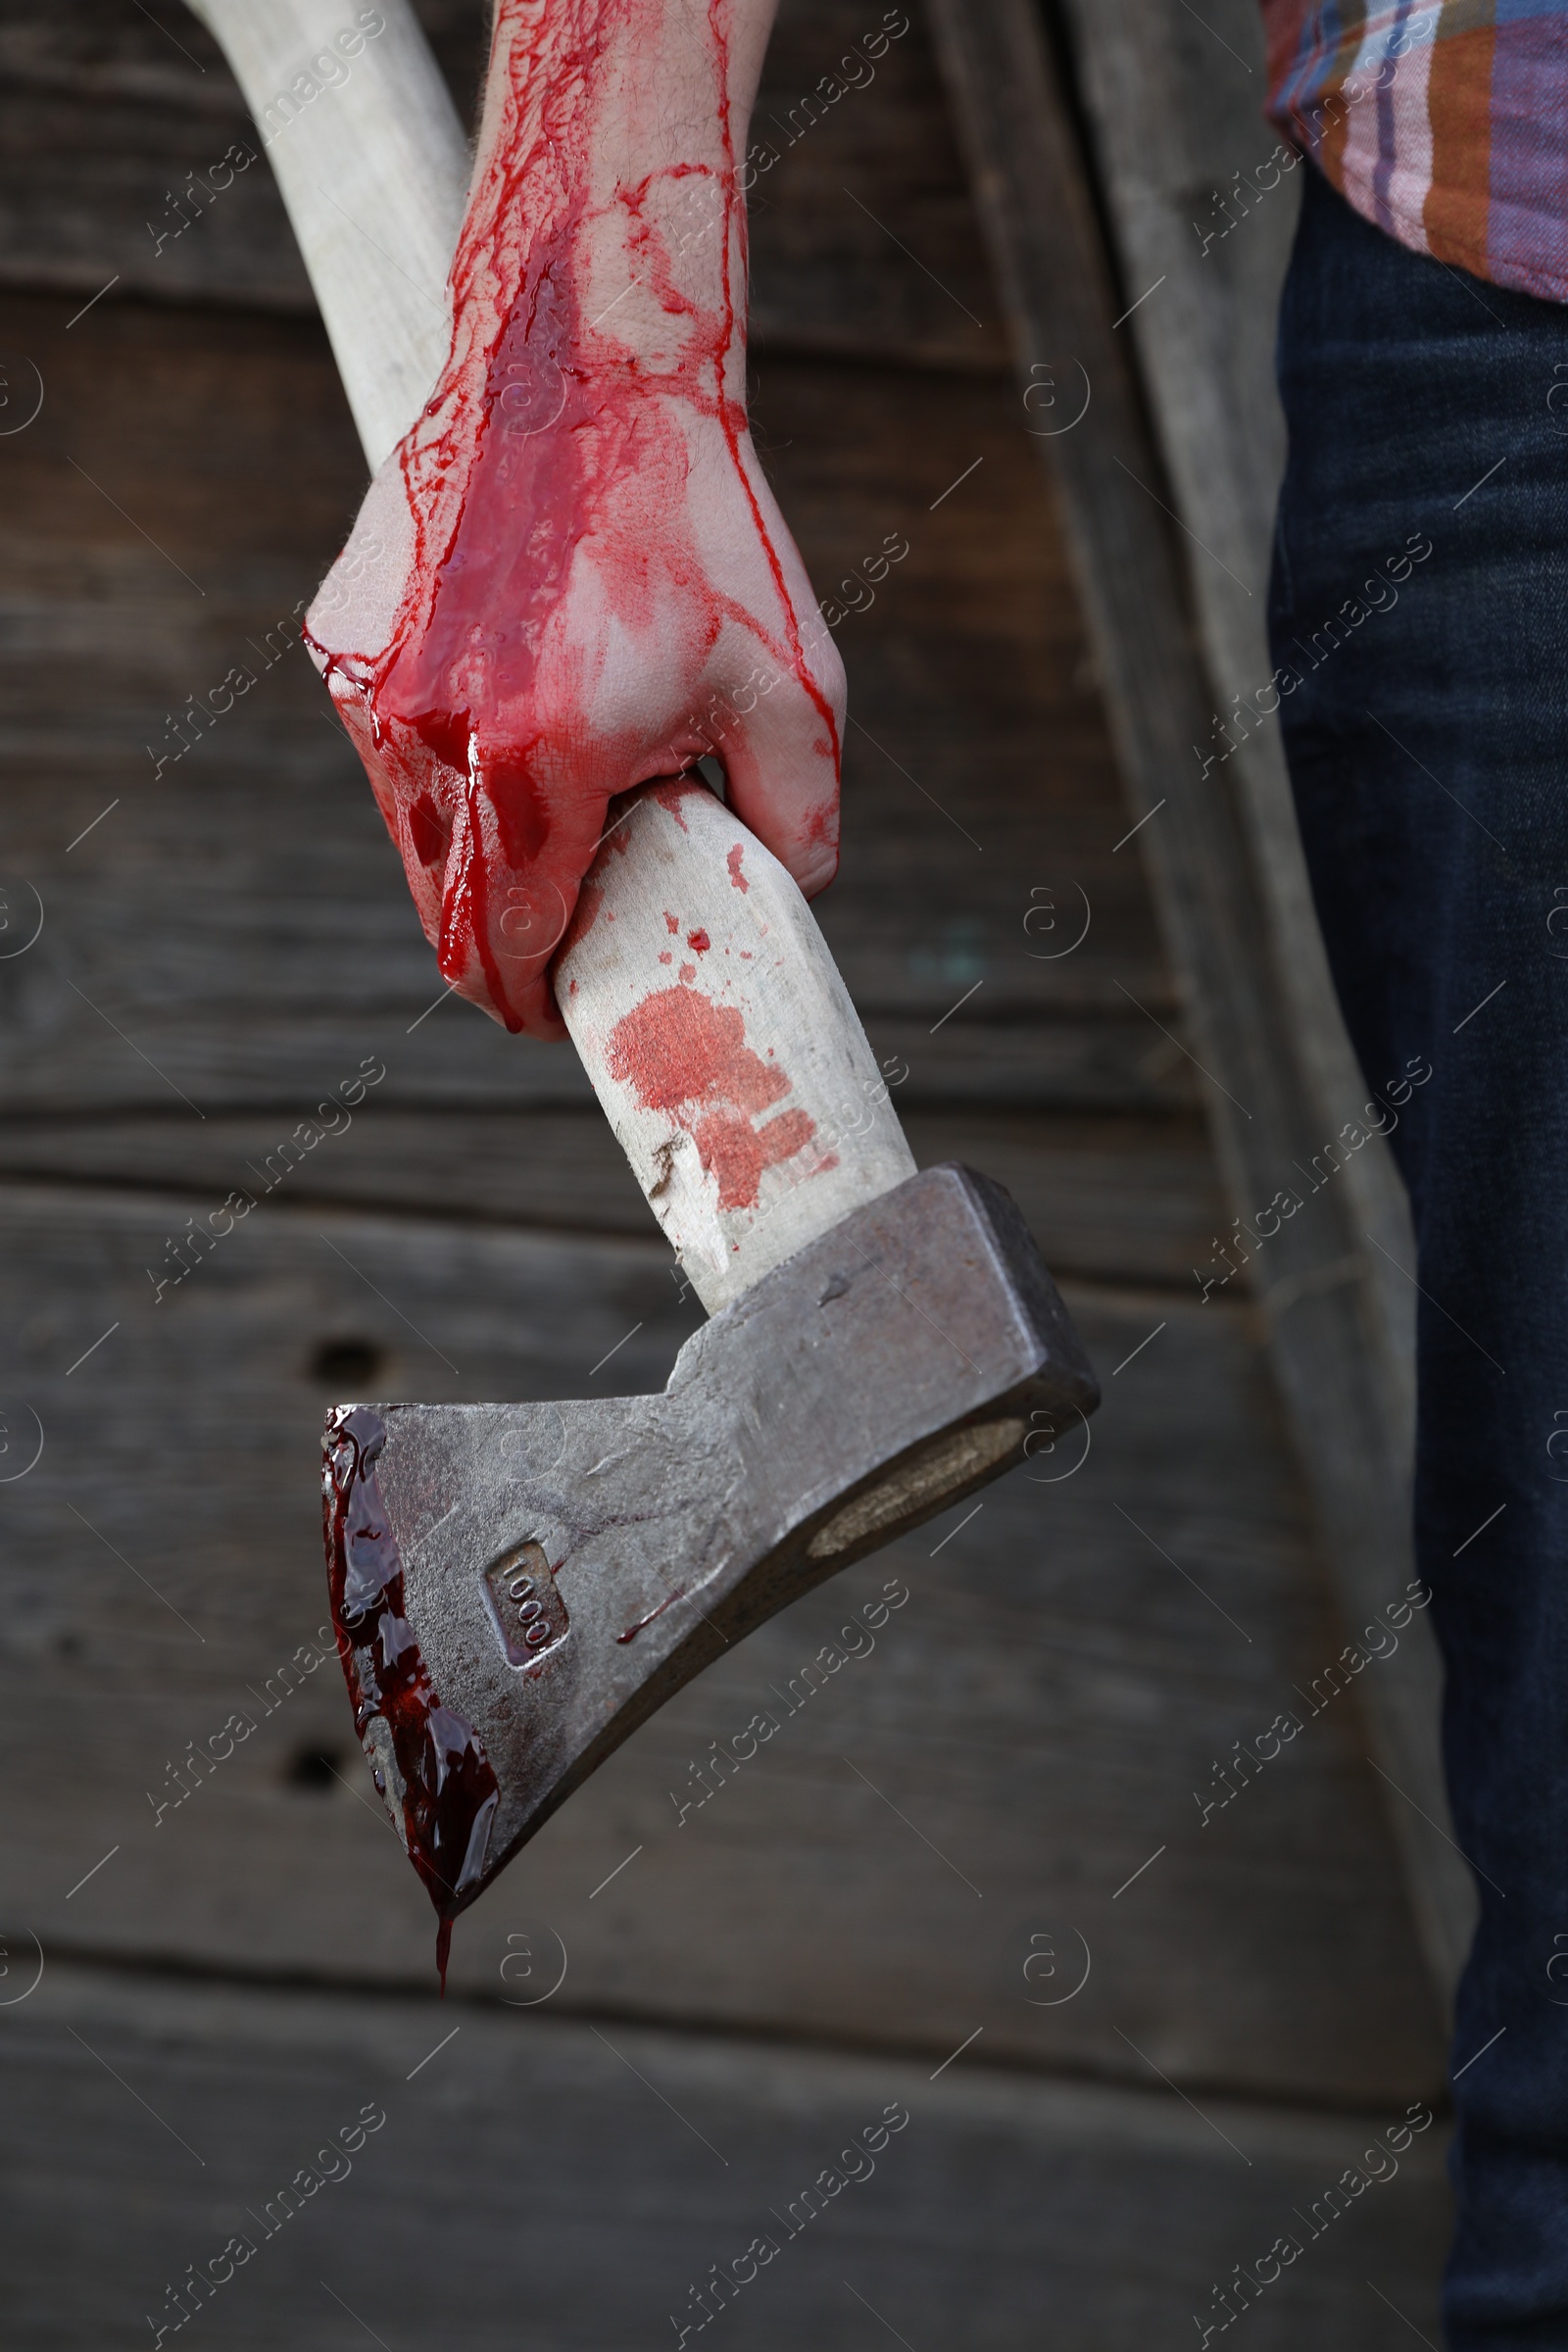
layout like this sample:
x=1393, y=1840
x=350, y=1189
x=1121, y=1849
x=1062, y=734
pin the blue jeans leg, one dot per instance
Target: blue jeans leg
x=1427, y=735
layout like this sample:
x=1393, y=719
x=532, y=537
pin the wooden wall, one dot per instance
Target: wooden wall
x=995, y=1803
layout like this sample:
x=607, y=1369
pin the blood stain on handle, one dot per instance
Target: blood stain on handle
x=685, y=1056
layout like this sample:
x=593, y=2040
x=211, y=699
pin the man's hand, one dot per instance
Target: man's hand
x=571, y=575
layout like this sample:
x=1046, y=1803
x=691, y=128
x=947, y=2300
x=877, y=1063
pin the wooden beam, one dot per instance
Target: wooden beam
x=522, y=2177
x=1272, y=1100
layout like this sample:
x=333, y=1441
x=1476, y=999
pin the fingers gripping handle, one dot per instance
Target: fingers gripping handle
x=722, y=1043
x=699, y=990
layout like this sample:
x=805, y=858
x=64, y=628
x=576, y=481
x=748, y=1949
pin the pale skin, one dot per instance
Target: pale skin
x=571, y=577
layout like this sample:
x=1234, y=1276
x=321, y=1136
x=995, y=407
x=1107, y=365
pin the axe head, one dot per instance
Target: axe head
x=518, y=1587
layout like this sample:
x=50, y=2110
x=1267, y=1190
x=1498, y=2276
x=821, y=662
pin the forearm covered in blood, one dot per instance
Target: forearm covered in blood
x=573, y=548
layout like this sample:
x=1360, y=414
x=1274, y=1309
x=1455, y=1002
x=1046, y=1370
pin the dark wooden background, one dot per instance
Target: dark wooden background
x=224, y=944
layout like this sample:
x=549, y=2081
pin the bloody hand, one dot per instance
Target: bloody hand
x=571, y=577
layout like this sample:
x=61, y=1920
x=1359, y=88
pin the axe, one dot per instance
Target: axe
x=518, y=1587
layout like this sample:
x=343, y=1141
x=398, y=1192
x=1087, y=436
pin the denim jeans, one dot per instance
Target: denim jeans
x=1427, y=736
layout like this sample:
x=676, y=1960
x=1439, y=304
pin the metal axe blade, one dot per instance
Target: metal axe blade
x=499, y=1645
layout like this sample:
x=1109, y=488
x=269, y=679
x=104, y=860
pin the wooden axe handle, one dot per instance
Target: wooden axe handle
x=369, y=155
x=722, y=1043
x=701, y=995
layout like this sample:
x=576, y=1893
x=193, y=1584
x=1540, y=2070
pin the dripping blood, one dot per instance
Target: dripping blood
x=449, y=1792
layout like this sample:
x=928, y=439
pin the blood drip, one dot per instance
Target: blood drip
x=643, y=1623
x=449, y=1794
x=544, y=433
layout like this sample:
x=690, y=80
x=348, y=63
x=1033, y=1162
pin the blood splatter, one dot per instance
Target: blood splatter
x=738, y=1153
x=699, y=942
x=440, y=1776
x=671, y=796
x=677, y=1046
x=733, y=861
x=686, y=1055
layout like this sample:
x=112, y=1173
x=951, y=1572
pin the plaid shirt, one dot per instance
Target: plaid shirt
x=1446, y=122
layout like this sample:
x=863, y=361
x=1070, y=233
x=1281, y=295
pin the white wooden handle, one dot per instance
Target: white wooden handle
x=723, y=1041
x=369, y=155
x=710, y=1016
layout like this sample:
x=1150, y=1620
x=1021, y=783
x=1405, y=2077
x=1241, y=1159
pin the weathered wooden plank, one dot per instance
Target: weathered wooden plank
x=1173, y=106
x=114, y=134
x=271, y=922
x=862, y=232
x=275, y=935
x=1062, y=1067
x=1107, y=1200
x=535, y=2175
x=1050, y=1707
x=1113, y=1198
x=100, y=51
x=1087, y=1064
x=1329, y=1339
